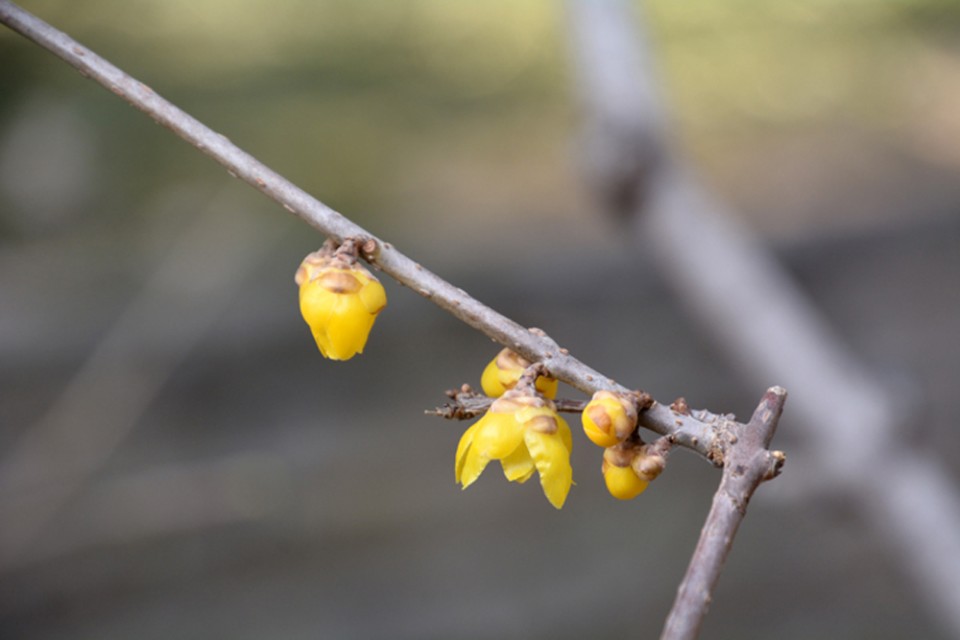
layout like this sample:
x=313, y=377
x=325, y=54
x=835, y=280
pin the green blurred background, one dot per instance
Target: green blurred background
x=196, y=470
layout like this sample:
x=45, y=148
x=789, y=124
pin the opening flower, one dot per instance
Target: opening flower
x=609, y=418
x=339, y=300
x=505, y=370
x=525, y=433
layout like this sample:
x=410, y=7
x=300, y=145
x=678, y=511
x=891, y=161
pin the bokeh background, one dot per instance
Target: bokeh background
x=177, y=460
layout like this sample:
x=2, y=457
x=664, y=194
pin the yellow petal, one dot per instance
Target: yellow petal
x=526, y=413
x=565, y=434
x=373, y=296
x=490, y=380
x=348, y=327
x=547, y=386
x=518, y=466
x=473, y=465
x=316, y=306
x=316, y=303
x=466, y=440
x=552, y=459
x=498, y=377
x=323, y=342
x=494, y=436
x=498, y=435
x=622, y=482
x=605, y=420
x=597, y=426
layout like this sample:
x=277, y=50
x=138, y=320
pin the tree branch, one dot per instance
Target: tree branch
x=748, y=463
x=685, y=430
x=467, y=404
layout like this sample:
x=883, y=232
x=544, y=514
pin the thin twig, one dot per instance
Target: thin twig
x=468, y=404
x=748, y=463
x=685, y=430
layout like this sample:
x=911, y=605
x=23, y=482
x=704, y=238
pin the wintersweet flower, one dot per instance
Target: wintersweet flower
x=504, y=371
x=622, y=482
x=339, y=300
x=628, y=469
x=609, y=418
x=525, y=433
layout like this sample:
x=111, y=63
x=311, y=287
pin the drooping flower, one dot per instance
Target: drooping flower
x=339, y=300
x=525, y=433
x=609, y=418
x=628, y=469
x=505, y=370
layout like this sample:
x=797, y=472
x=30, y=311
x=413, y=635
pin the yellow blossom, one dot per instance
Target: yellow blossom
x=628, y=469
x=622, y=482
x=339, y=300
x=505, y=370
x=525, y=433
x=609, y=418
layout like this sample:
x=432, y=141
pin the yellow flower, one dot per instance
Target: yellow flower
x=505, y=370
x=340, y=302
x=622, y=482
x=628, y=470
x=609, y=418
x=525, y=434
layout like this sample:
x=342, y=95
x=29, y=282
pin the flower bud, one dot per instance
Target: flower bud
x=622, y=481
x=609, y=418
x=504, y=371
x=339, y=301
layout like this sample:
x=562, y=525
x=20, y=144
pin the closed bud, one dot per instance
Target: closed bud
x=609, y=418
x=620, y=470
x=340, y=301
x=504, y=371
x=622, y=482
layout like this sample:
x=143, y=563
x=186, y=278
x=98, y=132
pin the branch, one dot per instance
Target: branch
x=748, y=463
x=685, y=430
x=467, y=404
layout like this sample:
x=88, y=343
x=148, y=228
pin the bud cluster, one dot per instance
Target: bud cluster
x=610, y=421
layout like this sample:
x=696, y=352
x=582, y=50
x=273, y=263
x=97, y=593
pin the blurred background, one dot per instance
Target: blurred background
x=178, y=460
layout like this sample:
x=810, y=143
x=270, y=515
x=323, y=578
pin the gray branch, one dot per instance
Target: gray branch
x=748, y=463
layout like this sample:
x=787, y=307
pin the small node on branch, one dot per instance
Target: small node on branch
x=369, y=249
x=776, y=460
x=680, y=406
x=642, y=399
